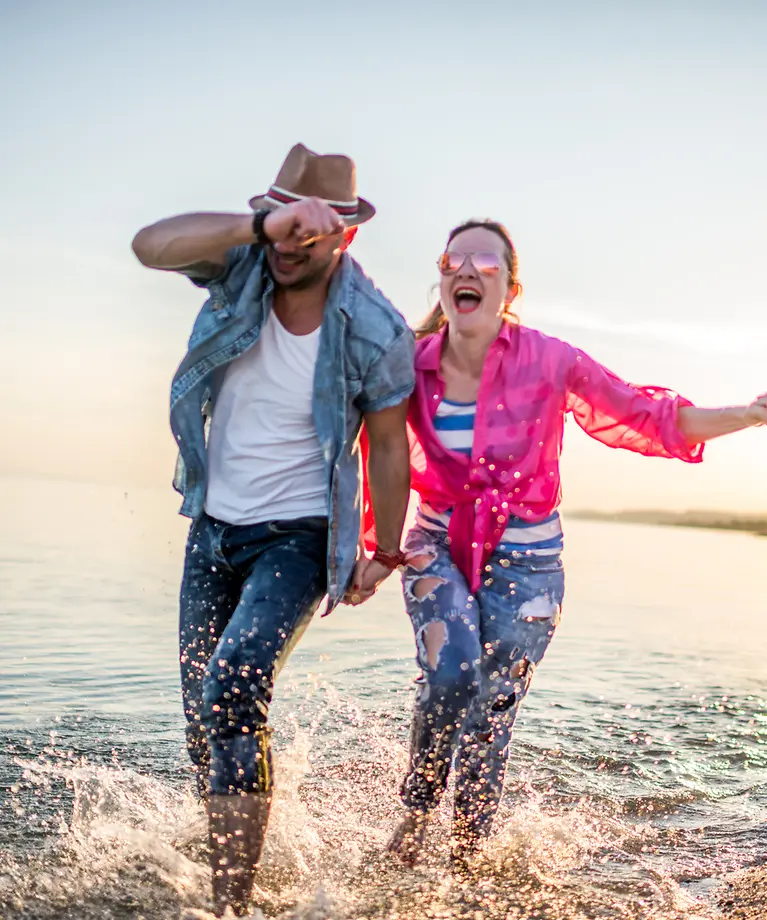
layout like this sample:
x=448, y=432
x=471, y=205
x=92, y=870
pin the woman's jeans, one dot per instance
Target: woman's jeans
x=247, y=595
x=477, y=653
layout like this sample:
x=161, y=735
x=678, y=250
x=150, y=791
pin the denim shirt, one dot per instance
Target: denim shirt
x=364, y=364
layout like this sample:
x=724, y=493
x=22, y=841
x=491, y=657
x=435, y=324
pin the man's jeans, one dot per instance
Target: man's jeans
x=247, y=595
x=478, y=653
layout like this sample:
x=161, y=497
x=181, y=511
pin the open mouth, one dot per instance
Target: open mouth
x=466, y=299
x=285, y=263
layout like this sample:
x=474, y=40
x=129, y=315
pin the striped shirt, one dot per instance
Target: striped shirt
x=454, y=425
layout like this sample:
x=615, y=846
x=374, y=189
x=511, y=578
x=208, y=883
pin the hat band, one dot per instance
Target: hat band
x=280, y=196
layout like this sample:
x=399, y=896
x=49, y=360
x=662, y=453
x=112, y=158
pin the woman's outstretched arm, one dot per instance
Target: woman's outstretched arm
x=699, y=425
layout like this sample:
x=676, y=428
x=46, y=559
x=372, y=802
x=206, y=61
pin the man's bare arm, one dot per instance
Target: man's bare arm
x=194, y=243
x=197, y=244
x=389, y=473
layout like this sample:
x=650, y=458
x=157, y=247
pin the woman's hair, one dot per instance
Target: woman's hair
x=436, y=319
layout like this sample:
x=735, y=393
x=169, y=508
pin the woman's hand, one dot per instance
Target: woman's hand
x=756, y=413
x=368, y=575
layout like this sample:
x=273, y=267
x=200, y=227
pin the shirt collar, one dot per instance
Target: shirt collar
x=340, y=290
x=429, y=349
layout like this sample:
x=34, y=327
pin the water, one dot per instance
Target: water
x=638, y=776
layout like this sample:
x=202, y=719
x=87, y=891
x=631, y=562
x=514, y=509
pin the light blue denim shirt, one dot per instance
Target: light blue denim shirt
x=364, y=364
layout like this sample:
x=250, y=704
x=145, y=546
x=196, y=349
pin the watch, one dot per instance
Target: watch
x=259, y=217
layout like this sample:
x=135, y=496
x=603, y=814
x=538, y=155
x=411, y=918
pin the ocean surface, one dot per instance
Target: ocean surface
x=638, y=775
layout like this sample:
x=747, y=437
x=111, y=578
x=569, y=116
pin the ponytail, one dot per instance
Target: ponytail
x=432, y=323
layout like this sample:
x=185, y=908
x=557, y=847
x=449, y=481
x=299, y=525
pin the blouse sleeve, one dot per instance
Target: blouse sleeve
x=620, y=414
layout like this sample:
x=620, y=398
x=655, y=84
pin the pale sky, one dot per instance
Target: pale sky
x=622, y=143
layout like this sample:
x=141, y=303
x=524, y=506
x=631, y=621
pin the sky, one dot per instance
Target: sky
x=622, y=143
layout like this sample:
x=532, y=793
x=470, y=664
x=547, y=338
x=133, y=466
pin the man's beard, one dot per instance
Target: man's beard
x=316, y=273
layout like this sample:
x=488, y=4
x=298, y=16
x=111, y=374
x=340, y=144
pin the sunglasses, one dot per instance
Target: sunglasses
x=486, y=263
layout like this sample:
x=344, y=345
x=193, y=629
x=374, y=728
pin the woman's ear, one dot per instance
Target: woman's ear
x=515, y=289
x=349, y=235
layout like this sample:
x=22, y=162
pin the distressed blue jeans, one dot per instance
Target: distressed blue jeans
x=247, y=594
x=477, y=653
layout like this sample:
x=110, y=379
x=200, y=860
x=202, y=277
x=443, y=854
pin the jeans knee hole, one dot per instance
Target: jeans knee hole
x=431, y=639
x=422, y=559
x=424, y=587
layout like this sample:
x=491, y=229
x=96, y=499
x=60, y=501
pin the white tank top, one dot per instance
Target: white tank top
x=264, y=457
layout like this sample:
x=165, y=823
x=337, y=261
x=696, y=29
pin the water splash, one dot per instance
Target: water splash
x=131, y=844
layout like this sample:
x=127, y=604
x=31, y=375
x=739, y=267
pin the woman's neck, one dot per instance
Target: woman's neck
x=466, y=354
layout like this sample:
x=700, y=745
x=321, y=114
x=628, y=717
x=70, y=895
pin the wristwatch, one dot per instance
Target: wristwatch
x=259, y=217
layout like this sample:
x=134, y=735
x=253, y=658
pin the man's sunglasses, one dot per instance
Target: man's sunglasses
x=486, y=263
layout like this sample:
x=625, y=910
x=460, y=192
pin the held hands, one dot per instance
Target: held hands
x=756, y=413
x=368, y=575
x=303, y=222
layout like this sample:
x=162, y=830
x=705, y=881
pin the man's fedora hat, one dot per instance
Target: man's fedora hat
x=306, y=174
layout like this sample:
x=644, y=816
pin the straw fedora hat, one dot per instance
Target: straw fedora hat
x=306, y=174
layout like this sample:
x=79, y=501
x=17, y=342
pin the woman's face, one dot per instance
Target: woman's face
x=472, y=300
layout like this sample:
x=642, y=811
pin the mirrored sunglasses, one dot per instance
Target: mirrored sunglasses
x=486, y=263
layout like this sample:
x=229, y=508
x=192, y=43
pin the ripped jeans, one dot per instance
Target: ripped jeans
x=477, y=653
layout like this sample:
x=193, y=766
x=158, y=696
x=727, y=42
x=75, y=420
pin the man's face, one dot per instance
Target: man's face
x=298, y=268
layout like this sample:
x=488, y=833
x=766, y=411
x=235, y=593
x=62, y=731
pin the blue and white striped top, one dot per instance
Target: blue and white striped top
x=454, y=424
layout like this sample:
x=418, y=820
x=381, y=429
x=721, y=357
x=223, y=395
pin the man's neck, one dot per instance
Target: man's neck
x=301, y=311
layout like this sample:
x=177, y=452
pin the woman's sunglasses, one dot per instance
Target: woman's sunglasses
x=486, y=263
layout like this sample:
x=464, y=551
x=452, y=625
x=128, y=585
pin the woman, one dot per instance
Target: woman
x=484, y=582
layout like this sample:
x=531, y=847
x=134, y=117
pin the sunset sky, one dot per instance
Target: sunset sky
x=623, y=144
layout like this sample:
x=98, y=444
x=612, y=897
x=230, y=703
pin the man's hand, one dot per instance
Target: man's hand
x=368, y=575
x=303, y=222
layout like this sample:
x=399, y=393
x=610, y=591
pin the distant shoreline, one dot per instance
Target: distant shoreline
x=708, y=520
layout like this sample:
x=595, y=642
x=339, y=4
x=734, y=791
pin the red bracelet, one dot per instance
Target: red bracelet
x=390, y=560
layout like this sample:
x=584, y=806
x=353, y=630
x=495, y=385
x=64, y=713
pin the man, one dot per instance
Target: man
x=294, y=348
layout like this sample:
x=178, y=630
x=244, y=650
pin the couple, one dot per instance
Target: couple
x=292, y=352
